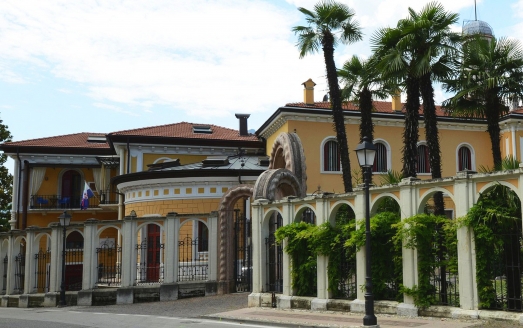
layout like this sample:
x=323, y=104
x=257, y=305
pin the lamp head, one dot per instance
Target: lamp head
x=65, y=219
x=366, y=152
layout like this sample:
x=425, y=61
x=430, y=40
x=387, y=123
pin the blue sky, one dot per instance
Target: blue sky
x=104, y=66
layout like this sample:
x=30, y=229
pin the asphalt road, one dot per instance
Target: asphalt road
x=180, y=314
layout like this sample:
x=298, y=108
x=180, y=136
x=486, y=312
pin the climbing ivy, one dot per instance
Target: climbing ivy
x=495, y=218
x=434, y=238
x=386, y=265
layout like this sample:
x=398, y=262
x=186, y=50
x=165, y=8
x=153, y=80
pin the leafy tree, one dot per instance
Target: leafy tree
x=6, y=182
x=328, y=24
x=363, y=82
x=491, y=75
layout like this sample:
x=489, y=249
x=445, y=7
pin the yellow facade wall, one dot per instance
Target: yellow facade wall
x=272, y=138
x=163, y=207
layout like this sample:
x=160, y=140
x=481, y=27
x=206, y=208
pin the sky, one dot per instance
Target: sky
x=105, y=66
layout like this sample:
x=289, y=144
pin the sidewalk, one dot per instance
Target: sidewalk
x=303, y=318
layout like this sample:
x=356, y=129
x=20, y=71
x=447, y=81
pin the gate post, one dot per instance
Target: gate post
x=11, y=251
x=56, y=257
x=89, y=269
x=212, y=222
x=29, y=274
x=322, y=292
x=128, y=264
x=468, y=291
x=288, y=214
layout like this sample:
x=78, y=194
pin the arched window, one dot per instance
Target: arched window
x=331, y=156
x=380, y=160
x=423, y=164
x=464, y=159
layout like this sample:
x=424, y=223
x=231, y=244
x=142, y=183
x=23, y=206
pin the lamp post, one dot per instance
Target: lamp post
x=366, y=152
x=65, y=219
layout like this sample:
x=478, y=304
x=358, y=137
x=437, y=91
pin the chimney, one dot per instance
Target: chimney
x=308, y=92
x=243, y=123
x=396, y=101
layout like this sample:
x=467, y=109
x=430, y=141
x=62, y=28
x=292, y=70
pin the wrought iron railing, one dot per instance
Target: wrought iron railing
x=108, y=265
x=74, y=268
x=19, y=273
x=42, y=271
x=4, y=275
x=108, y=197
x=150, y=262
x=60, y=202
x=193, y=265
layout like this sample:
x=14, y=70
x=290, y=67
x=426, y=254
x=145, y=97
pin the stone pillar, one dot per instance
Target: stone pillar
x=358, y=305
x=408, y=203
x=212, y=223
x=56, y=258
x=128, y=252
x=90, y=275
x=258, y=253
x=30, y=262
x=464, y=197
x=320, y=303
x=288, y=218
x=12, y=251
x=169, y=288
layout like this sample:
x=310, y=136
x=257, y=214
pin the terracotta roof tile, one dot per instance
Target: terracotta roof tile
x=379, y=106
x=76, y=140
x=185, y=130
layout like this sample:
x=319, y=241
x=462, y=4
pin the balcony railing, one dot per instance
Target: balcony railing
x=47, y=202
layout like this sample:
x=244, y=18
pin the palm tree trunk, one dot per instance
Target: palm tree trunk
x=365, y=104
x=410, y=133
x=492, y=111
x=337, y=110
x=432, y=137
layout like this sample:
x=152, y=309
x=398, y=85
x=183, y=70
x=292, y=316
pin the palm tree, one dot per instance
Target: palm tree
x=363, y=82
x=329, y=24
x=491, y=75
x=427, y=44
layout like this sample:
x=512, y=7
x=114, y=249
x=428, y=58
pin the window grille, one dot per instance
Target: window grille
x=423, y=164
x=465, y=159
x=331, y=156
x=380, y=160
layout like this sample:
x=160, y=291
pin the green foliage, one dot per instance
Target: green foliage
x=497, y=212
x=6, y=182
x=432, y=236
x=392, y=177
x=507, y=163
x=386, y=267
x=388, y=204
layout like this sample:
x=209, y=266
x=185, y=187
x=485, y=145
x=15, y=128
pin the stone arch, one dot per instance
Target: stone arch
x=303, y=208
x=225, y=238
x=426, y=196
x=492, y=184
x=334, y=210
x=287, y=153
x=376, y=202
x=275, y=184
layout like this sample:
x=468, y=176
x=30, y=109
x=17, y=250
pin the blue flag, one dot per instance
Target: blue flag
x=88, y=193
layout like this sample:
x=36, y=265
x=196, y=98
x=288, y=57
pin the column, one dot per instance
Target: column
x=90, y=275
x=30, y=262
x=15, y=209
x=128, y=264
x=212, y=223
x=464, y=199
x=56, y=258
x=322, y=294
x=359, y=212
x=288, y=218
x=11, y=254
x=171, y=247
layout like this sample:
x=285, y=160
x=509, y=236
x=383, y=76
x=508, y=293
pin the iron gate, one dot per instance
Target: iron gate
x=4, y=276
x=19, y=273
x=192, y=264
x=242, y=252
x=74, y=268
x=274, y=257
x=42, y=271
x=150, y=264
x=108, y=267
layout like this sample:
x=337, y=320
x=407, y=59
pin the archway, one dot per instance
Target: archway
x=150, y=254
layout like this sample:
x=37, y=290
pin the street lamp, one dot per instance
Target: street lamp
x=366, y=151
x=65, y=219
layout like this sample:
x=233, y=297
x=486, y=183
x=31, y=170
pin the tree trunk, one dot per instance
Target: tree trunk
x=337, y=110
x=492, y=112
x=410, y=132
x=365, y=104
x=432, y=137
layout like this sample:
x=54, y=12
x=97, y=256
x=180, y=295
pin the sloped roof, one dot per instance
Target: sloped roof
x=379, y=107
x=185, y=130
x=76, y=140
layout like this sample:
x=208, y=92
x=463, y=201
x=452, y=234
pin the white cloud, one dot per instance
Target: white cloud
x=206, y=57
x=114, y=109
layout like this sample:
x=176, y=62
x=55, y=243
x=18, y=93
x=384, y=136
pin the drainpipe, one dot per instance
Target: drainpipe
x=128, y=156
x=18, y=189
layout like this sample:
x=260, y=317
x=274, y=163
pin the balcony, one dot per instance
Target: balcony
x=101, y=199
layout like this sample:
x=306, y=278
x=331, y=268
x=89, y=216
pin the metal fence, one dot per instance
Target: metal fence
x=19, y=273
x=42, y=271
x=74, y=268
x=4, y=275
x=108, y=264
x=192, y=264
x=150, y=264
